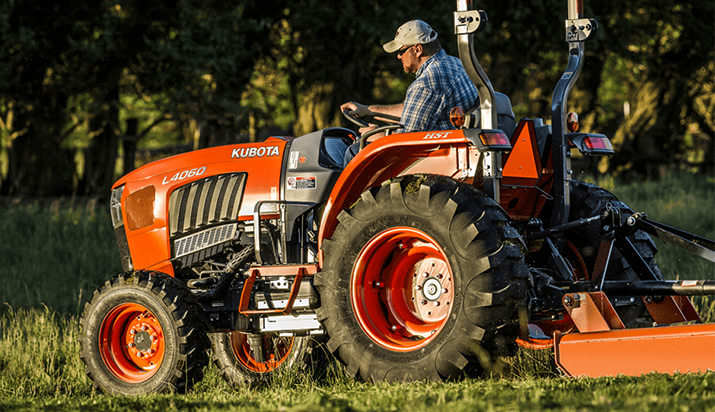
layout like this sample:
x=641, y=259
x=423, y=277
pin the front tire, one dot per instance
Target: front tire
x=142, y=333
x=240, y=365
x=422, y=278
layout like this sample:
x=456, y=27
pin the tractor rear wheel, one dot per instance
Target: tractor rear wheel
x=236, y=357
x=423, y=278
x=589, y=200
x=143, y=332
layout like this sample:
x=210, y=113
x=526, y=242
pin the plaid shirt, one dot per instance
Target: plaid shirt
x=441, y=84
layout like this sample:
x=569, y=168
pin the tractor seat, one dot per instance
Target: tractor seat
x=506, y=120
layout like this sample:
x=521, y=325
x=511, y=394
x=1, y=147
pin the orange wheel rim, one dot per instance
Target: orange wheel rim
x=402, y=289
x=131, y=342
x=275, y=351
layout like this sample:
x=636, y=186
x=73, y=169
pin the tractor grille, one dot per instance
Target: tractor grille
x=205, y=203
x=204, y=239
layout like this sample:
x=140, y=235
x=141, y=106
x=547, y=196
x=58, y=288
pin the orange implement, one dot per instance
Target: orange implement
x=605, y=348
x=634, y=352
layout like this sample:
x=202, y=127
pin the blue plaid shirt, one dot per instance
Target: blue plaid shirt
x=441, y=84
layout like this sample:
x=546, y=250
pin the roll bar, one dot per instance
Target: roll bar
x=578, y=30
x=467, y=22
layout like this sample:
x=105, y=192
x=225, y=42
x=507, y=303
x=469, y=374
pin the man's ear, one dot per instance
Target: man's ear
x=419, y=50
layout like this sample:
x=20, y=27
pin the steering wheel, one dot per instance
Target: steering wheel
x=378, y=117
x=354, y=119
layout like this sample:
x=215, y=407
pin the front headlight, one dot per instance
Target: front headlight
x=115, y=206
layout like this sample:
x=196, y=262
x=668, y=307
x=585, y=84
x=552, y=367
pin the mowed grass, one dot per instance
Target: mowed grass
x=53, y=256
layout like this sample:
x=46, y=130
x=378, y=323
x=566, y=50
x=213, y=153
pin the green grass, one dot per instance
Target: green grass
x=40, y=369
x=54, y=255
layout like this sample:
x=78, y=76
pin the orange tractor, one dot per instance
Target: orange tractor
x=427, y=256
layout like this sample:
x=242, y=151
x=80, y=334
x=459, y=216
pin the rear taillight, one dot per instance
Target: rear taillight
x=591, y=144
x=598, y=143
x=494, y=139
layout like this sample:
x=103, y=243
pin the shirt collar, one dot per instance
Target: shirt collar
x=429, y=61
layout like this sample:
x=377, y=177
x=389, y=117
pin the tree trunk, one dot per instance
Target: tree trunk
x=648, y=140
x=101, y=155
x=317, y=110
x=37, y=164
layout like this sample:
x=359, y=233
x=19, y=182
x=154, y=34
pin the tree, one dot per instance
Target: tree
x=35, y=91
x=670, y=58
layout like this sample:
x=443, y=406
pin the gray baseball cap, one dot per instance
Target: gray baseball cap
x=411, y=33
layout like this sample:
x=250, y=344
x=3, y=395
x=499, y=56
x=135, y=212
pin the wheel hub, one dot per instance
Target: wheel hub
x=402, y=289
x=142, y=339
x=432, y=289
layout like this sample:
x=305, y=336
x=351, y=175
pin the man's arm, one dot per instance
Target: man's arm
x=362, y=110
x=394, y=110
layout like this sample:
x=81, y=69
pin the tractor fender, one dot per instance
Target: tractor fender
x=436, y=152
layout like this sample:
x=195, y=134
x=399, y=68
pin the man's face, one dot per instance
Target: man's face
x=408, y=55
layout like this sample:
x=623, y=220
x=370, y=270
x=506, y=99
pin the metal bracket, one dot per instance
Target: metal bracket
x=580, y=29
x=592, y=312
x=470, y=21
x=672, y=309
x=299, y=271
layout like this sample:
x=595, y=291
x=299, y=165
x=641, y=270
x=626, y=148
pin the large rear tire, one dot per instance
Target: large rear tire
x=423, y=278
x=241, y=366
x=589, y=200
x=142, y=333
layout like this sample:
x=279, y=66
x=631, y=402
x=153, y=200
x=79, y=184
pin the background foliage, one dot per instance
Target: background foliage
x=198, y=73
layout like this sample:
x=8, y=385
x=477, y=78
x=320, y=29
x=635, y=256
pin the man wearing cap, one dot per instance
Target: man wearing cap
x=441, y=82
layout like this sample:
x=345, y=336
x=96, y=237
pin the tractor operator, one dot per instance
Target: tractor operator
x=440, y=85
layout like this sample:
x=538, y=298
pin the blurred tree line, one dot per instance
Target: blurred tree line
x=91, y=88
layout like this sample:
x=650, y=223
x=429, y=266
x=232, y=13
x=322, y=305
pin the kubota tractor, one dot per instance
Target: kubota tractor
x=427, y=256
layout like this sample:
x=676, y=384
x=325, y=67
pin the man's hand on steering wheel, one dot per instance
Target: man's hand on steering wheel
x=355, y=109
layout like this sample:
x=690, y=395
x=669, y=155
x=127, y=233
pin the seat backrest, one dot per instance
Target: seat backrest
x=506, y=120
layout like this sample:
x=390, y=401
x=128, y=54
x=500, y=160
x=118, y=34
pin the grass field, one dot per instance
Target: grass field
x=54, y=255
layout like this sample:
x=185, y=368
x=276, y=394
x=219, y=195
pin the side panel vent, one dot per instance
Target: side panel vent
x=201, y=245
x=205, y=203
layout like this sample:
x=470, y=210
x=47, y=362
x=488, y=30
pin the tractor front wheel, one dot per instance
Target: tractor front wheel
x=143, y=333
x=252, y=359
x=423, y=278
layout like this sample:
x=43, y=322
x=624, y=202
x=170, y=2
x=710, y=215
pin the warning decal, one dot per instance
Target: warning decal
x=301, y=183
